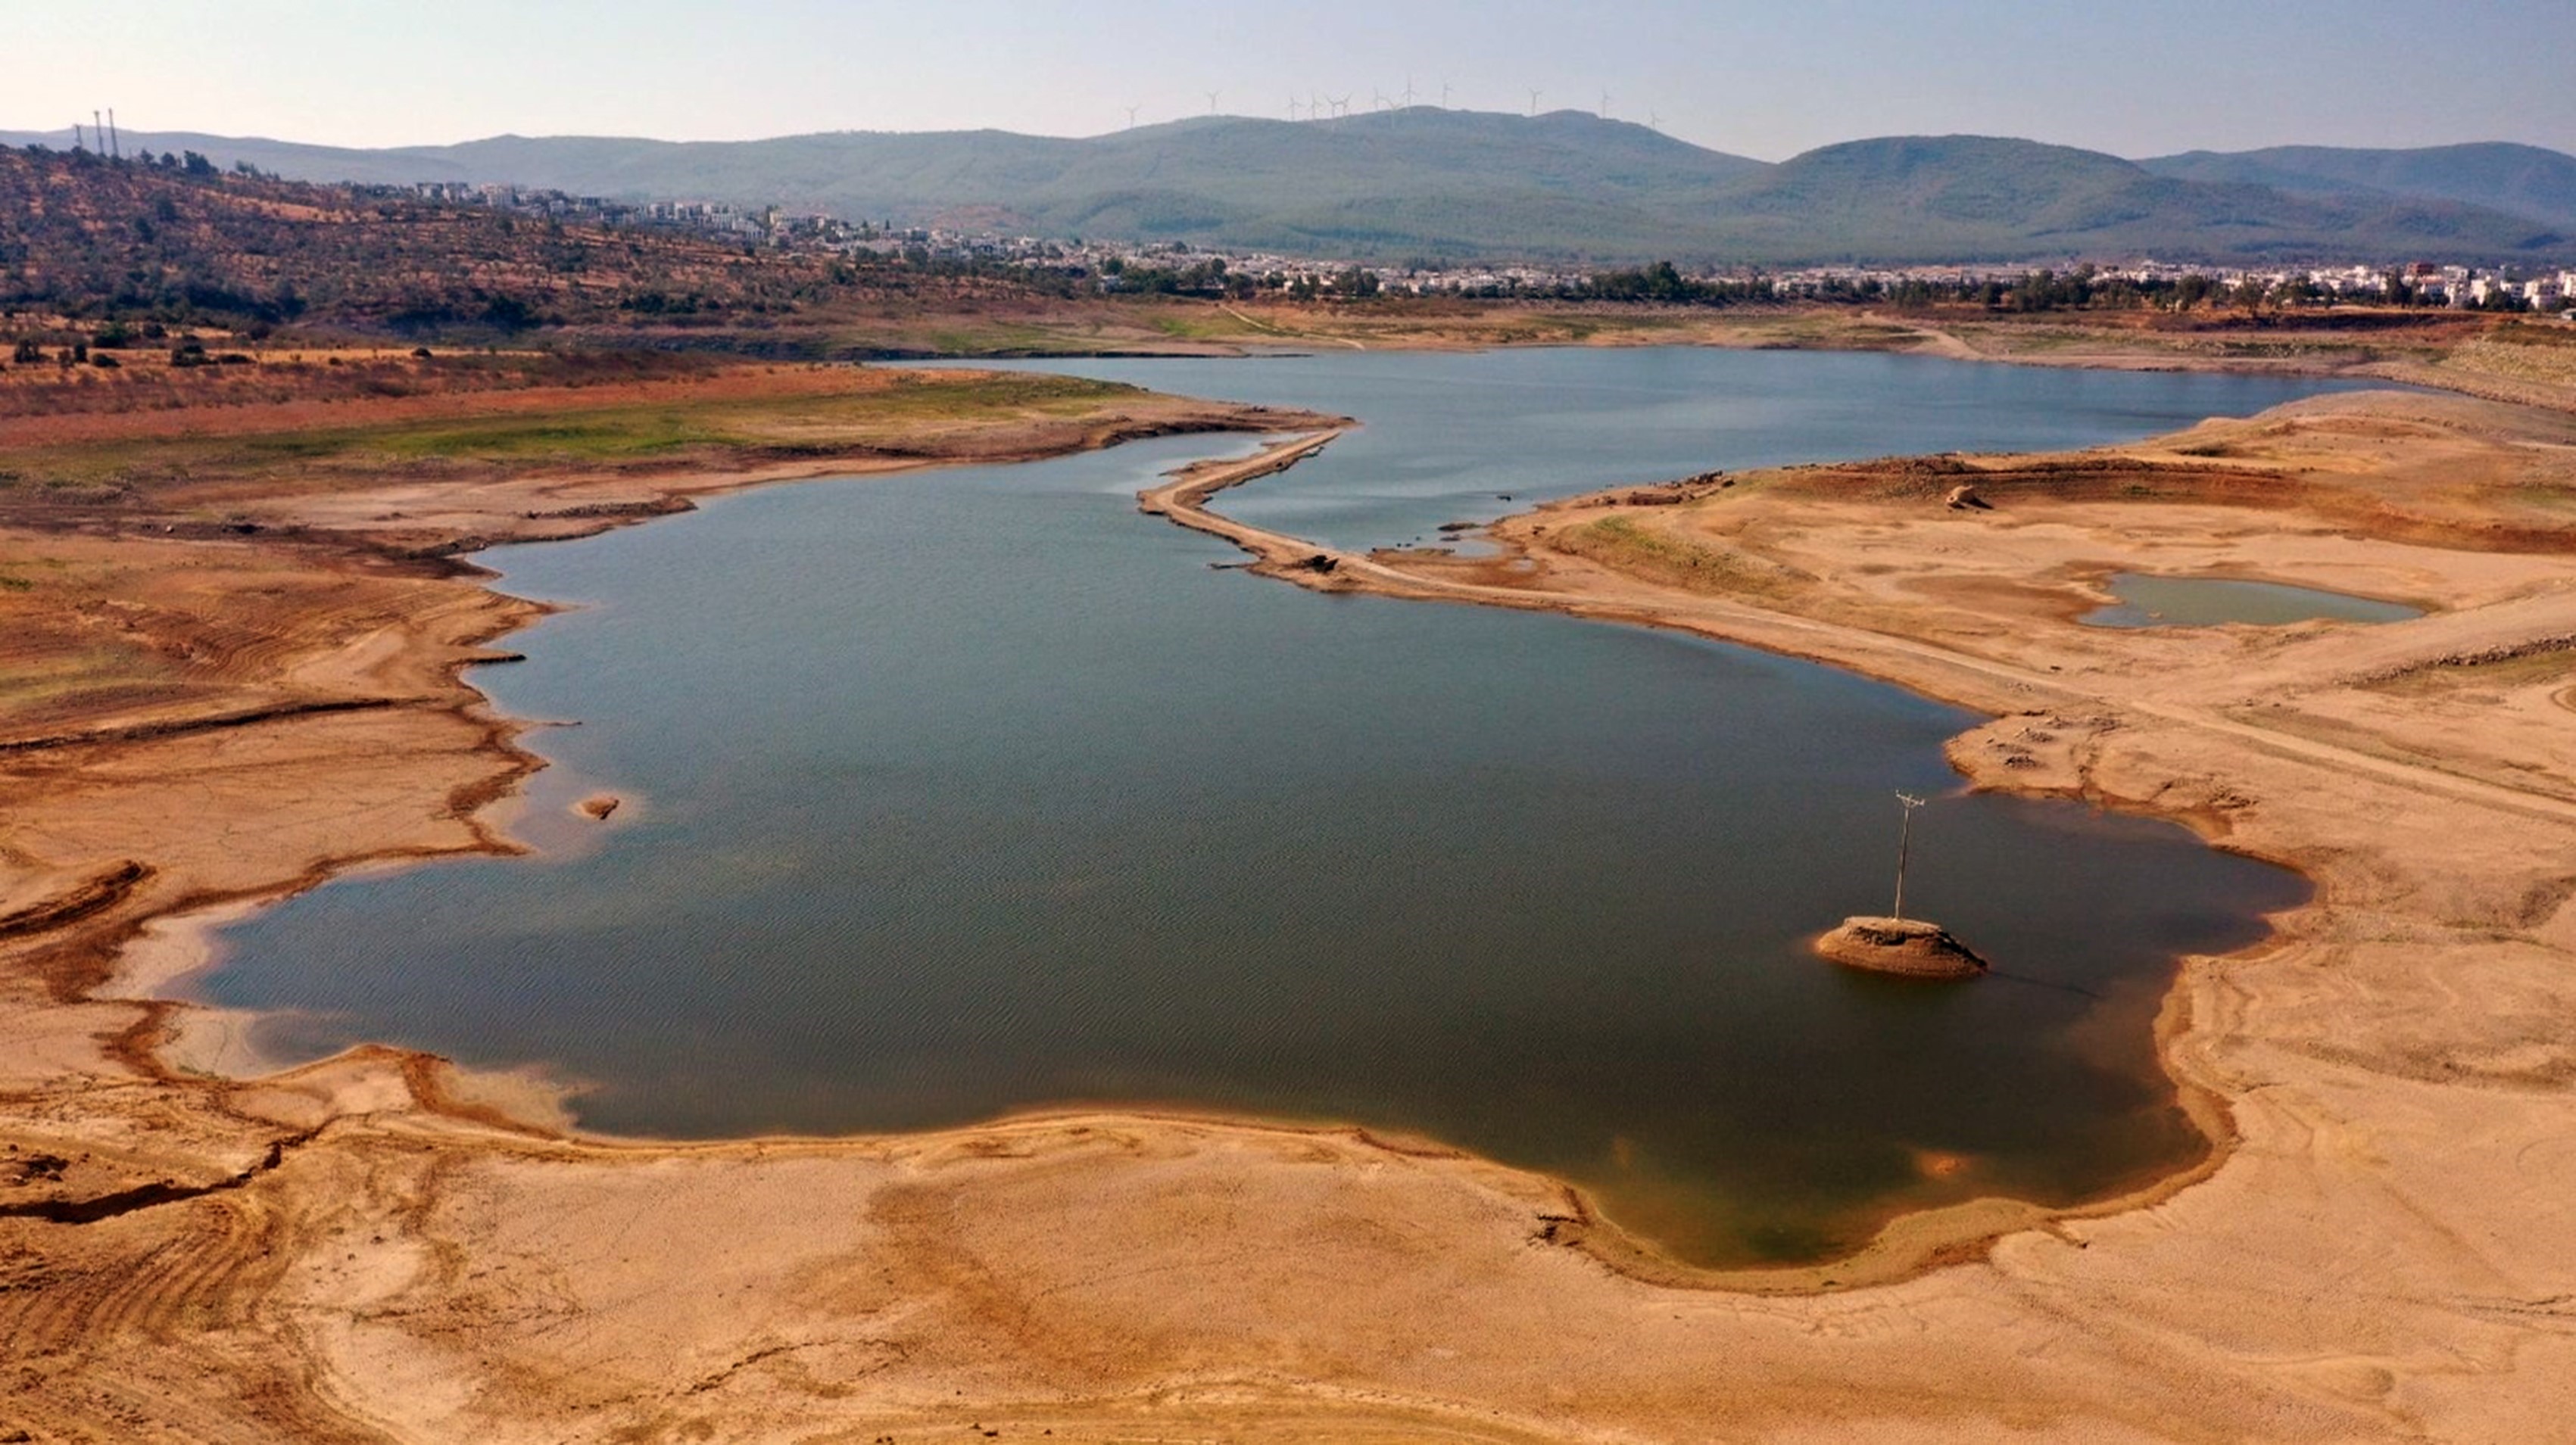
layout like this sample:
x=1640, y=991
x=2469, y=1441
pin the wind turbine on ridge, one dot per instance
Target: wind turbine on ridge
x=1535, y=93
x=1212, y=95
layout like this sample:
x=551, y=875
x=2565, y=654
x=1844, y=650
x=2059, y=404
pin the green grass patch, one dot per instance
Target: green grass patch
x=1620, y=543
x=1619, y=537
x=606, y=438
x=913, y=403
x=2538, y=669
x=2524, y=333
x=89, y=671
x=1004, y=338
x=1184, y=326
x=1658, y=556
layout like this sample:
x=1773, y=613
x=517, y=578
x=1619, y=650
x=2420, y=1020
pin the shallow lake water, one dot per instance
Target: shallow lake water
x=964, y=792
x=2147, y=600
x=1448, y=436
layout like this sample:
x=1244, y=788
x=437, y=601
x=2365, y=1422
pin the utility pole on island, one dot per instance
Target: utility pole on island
x=1904, y=844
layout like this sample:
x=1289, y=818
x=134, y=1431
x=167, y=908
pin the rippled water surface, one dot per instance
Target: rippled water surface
x=972, y=791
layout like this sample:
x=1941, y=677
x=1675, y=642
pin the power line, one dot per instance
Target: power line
x=1904, y=843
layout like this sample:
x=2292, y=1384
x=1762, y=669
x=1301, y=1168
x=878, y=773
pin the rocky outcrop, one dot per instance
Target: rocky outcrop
x=1907, y=947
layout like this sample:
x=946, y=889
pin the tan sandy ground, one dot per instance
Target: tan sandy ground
x=367, y=1248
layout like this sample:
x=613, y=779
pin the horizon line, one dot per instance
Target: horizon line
x=1188, y=120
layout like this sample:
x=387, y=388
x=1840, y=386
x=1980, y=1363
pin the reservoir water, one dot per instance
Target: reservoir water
x=1448, y=436
x=965, y=792
x=2147, y=600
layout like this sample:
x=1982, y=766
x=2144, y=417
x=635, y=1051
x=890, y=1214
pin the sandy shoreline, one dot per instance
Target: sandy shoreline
x=1310, y=1292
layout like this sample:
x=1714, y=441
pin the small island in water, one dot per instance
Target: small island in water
x=1906, y=947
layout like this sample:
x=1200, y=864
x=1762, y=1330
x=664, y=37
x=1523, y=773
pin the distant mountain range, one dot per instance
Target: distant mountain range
x=2518, y=180
x=1426, y=183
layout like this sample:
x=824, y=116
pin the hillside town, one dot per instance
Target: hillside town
x=1113, y=265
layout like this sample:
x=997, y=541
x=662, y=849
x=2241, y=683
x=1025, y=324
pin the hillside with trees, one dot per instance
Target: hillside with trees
x=1565, y=187
x=2517, y=180
x=1936, y=198
x=175, y=241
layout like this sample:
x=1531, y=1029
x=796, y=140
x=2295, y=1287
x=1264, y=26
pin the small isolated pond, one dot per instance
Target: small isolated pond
x=2151, y=601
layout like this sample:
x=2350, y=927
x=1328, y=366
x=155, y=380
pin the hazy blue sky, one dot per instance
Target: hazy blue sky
x=1759, y=79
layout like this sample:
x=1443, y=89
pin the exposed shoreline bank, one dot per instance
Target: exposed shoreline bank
x=193, y=1038
x=190, y=1038
x=2082, y=760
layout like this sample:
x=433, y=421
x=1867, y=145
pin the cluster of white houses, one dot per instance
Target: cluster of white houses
x=2419, y=283
x=2432, y=283
x=2460, y=286
x=761, y=224
x=2424, y=283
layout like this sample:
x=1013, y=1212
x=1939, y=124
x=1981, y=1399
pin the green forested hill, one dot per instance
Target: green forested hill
x=1925, y=198
x=1426, y=182
x=2517, y=179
